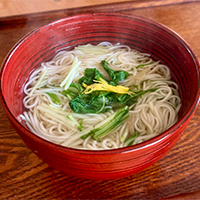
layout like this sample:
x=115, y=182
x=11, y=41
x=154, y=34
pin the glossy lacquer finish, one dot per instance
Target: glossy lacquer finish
x=139, y=33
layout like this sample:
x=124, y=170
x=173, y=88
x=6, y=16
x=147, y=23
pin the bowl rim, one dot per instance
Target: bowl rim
x=128, y=149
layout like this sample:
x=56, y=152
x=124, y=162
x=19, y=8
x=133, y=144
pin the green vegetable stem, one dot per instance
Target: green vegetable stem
x=54, y=98
x=131, y=139
x=109, y=125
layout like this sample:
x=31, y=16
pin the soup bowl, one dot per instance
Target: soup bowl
x=139, y=33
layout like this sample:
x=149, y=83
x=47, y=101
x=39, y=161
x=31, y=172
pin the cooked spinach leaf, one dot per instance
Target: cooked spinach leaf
x=74, y=90
x=115, y=76
x=90, y=75
x=100, y=101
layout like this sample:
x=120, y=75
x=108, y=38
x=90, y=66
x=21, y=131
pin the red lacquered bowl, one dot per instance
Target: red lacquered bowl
x=137, y=32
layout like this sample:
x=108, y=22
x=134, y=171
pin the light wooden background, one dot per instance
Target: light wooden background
x=17, y=7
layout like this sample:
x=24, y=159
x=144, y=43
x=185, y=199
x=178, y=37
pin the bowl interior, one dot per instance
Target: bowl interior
x=138, y=33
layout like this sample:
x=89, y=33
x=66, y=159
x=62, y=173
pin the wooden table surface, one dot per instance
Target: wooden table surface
x=177, y=176
x=19, y=7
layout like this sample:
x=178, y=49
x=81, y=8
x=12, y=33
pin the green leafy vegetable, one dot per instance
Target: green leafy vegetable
x=90, y=76
x=128, y=100
x=74, y=90
x=116, y=120
x=115, y=76
x=90, y=103
x=101, y=101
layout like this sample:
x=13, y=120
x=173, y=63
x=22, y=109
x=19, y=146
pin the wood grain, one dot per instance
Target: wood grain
x=176, y=176
x=19, y=7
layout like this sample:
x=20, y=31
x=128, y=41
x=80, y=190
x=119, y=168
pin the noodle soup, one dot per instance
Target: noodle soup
x=100, y=97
